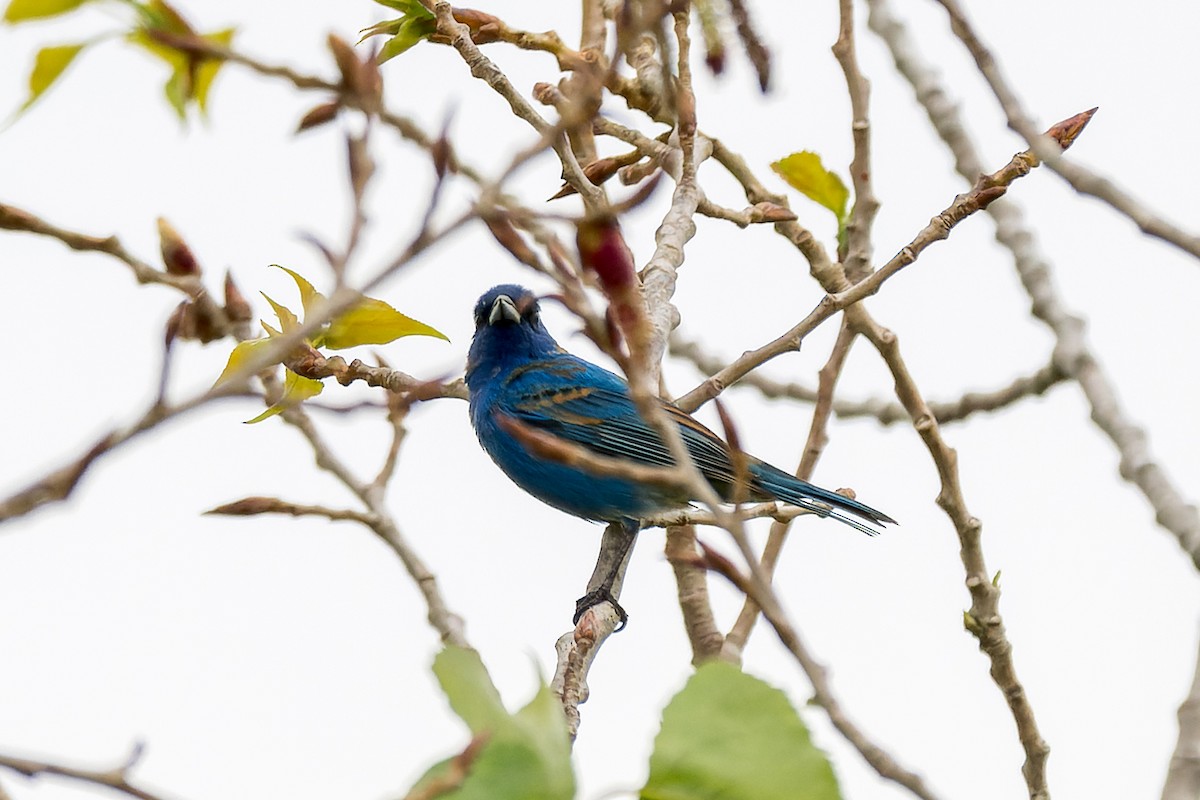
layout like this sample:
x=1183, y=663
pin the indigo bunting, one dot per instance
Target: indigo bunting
x=517, y=372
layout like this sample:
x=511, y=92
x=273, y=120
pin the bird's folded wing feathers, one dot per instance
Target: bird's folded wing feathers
x=592, y=408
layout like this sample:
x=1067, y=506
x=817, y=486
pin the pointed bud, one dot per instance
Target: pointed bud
x=347, y=63
x=177, y=256
x=319, y=115
x=236, y=305
x=602, y=250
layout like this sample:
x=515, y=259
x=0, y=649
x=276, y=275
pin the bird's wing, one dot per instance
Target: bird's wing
x=590, y=406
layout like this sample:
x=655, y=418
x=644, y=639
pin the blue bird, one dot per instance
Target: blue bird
x=517, y=372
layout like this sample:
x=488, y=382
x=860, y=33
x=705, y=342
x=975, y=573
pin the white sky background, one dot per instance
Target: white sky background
x=275, y=657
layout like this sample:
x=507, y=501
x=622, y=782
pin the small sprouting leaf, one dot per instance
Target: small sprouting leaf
x=287, y=320
x=389, y=27
x=296, y=389
x=728, y=735
x=374, y=322
x=206, y=70
x=48, y=66
x=805, y=173
x=411, y=30
x=240, y=356
x=21, y=10
x=160, y=15
x=309, y=297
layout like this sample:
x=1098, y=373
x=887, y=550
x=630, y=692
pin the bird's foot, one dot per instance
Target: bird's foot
x=595, y=598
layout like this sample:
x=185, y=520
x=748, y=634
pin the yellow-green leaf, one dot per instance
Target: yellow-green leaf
x=374, y=322
x=296, y=389
x=410, y=31
x=309, y=297
x=48, y=66
x=206, y=70
x=805, y=173
x=239, y=357
x=163, y=16
x=178, y=89
x=21, y=10
x=287, y=320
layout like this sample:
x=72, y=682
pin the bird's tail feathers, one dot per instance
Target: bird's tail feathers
x=820, y=501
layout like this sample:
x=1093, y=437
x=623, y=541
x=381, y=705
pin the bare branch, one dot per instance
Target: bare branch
x=1072, y=352
x=1183, y=776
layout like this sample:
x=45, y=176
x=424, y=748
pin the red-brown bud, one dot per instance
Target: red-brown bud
x=177, y=256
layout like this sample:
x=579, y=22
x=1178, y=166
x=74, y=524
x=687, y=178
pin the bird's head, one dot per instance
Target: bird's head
x=508, y=329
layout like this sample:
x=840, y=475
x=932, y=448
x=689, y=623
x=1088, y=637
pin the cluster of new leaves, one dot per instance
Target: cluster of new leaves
x=155, y=26
x=369, y=321
x=725, y=735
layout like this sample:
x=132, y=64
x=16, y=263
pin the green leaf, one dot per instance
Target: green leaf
x=408, y=7
x=48, y=66
x=805, y=173
x=526, y=756
x=729, y=736
x=469, y=688
x=207, y=68
x=178, y=89
x=296, y=389
x=412, y=30
x=374, y=322
x=161, y=15
x=21, y=10
x=545, y=729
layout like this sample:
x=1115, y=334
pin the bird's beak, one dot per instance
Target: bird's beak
x=503, y=308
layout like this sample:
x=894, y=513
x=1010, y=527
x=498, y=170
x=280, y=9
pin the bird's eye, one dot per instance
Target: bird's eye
x=533, y=316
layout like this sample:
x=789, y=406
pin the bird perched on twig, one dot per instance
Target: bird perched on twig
x=523, y=385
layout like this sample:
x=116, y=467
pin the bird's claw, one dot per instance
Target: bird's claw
x=595, y=598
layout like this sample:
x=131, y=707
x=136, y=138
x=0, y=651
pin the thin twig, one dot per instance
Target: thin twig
x=735, y=640
x=252, y=506
x=116, y=779
x=1080, y=178
x=886, y=412
x=858, y=256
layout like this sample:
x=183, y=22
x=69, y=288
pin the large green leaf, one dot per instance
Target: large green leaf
x=526, y=756
x=21, y=10
x=729, y=736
